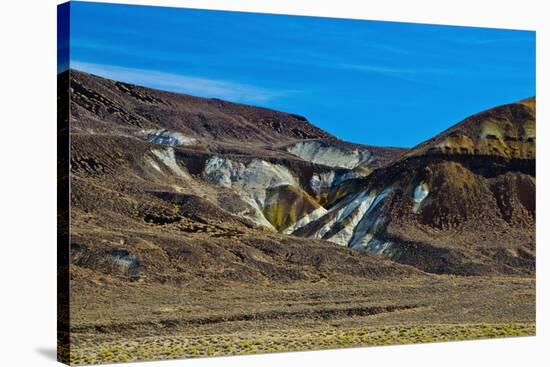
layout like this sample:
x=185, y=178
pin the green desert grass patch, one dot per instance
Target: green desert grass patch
x=166, y=347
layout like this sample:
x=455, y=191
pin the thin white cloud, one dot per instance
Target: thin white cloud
x=397, y=70
x=196, y=86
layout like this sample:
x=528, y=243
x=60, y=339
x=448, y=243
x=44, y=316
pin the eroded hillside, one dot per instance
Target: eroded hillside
x=462, y=202
x=204, y=227
x=204, y=188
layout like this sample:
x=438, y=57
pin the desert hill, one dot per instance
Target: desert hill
x=204, y=227
x=462, y=202
x=166, y=195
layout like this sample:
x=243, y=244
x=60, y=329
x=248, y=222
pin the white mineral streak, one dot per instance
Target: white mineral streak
x=315, y=152
x=312, y=216
x=372, y=218
x=167, y=137
x=322, y=182
x=168, y=158
x=325, y=181
x=420, y=193
x=378, y=247
x=343, y=210
x=124, y=260
x=153, y=164
x=251, y=180
x=357, y=212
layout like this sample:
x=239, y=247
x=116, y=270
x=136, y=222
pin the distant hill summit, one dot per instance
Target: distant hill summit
x=506, y=131
x=130, y=106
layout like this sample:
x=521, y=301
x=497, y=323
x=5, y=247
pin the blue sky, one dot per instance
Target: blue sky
x=370, y=82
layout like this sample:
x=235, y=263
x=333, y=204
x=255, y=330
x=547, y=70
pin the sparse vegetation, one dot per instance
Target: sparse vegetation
x=166, y=347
